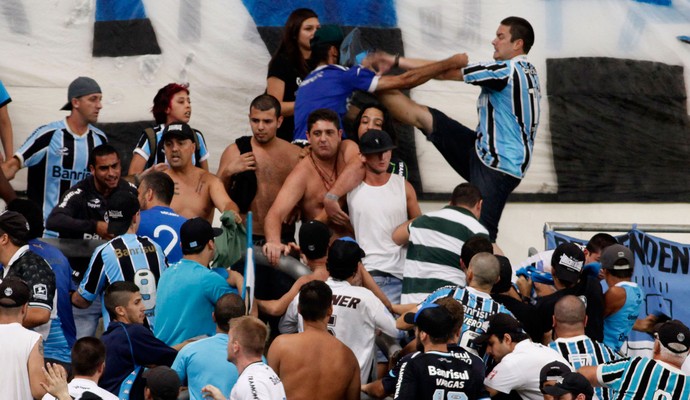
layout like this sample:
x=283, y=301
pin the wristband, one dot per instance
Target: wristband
x=331, y=196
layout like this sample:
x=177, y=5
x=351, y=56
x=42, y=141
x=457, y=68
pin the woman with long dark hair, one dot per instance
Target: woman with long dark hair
x=289, y=65
x=375, y=116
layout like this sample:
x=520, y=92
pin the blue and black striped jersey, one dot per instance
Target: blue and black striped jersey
x=57, y=159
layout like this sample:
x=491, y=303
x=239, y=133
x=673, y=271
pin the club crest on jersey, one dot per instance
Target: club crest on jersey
x=40, y=291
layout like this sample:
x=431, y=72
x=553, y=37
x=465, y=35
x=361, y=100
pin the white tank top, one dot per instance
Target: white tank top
x=14, y=355
x=375, y=212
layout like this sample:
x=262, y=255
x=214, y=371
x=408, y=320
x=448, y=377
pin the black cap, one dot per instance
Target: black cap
x=327, y=35
x=612, y=254
x=499, y=324
x=195, y=233
x=122, y=206
x=80, y=87
x=375, y=141
x=31, y=212
x=567, y=262
x=14, y=292
x=163, y=382
x=344, y=256
x=572, y=383
x=179, y=130
x=14, y=224
x=674, y=335
x=552, y=371
x=433, y=319
x=313, y=239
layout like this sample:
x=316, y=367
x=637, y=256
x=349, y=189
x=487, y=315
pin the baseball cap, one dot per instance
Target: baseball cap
x=344, y=256
x=313, y=239
x=195, y=233
x=80, y=87
x=14, y=292
x=122, y=206
x=163, y=382
x=613, y=254
x=567, y=262
x=573, y=383
x=14, y=224
x=551, y=372
x=31, y=212
x=179, y=130
x=432, y=319
x=674, y=335
x=327, y=35
x=499, y=324
x=375, y=141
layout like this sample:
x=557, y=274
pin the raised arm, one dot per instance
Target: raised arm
x=418, y=76
x=219, y=197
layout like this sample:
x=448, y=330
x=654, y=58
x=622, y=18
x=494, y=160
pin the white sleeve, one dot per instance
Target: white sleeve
x=288, y=323
x=505, y=377
x=382, y=318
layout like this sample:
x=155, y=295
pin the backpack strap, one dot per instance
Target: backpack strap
x=153, y=145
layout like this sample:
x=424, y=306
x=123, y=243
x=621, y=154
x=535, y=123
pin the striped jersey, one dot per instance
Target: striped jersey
x=479, y=306
x=433, y=252
x=642, y=378
x=508, y=108
x=57, y=159
x=581, y=351
x=143, y=148
x=129, y=258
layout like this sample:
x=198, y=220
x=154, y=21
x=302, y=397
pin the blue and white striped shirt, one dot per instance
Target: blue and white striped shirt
x=508, y=108
x=581, y=351
x=57, y=159
x=642, y=378
x=128, y=258
x=479, y=306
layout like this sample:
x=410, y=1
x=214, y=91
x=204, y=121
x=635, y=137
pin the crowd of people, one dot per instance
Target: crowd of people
x=396, y=303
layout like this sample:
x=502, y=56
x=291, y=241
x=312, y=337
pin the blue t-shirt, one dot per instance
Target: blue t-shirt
x=508, y=113
x=162, y=225
x=187, y=294
x=205, y=362
x=329, y=86
x=62, y=333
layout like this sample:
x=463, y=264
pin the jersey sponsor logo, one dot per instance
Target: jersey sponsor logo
x=312, y=79
x=119, y=253
x=94, y=203
x=448, y=374
x=345, y=301
x=92, y=236
x=40, y=291
x=68, y=174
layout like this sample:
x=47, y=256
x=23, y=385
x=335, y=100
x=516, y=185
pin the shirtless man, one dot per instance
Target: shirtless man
x=311, y=179
x=197, y=191
x=271, y=158
x=299, y=360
